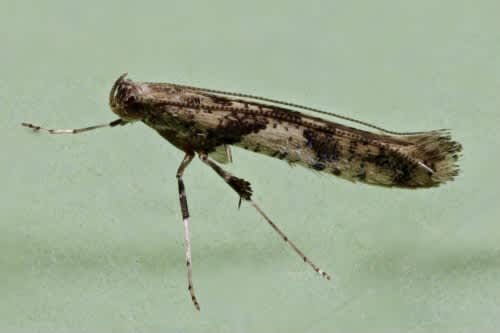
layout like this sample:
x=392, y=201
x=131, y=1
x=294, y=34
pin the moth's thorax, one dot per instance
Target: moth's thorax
x=123, y=97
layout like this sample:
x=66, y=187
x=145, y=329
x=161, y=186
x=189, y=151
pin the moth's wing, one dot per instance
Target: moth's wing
x=222, y=154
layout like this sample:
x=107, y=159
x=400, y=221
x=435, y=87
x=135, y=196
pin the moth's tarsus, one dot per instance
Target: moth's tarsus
x=34, y=127
x=292, y=244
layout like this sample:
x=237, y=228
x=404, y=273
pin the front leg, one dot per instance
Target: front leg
x=74, y=130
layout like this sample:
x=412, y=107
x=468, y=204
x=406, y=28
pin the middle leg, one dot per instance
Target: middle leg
x=242, y=187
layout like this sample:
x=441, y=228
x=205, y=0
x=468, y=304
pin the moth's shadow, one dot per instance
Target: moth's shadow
x=390, y=263
x=153, y=258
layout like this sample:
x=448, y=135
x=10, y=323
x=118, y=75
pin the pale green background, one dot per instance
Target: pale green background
x=90, y=230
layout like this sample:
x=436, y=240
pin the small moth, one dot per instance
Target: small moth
x=207, y=122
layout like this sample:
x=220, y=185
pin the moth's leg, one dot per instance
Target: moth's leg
x=74, y=130
x=185, y=217
x=242, y=187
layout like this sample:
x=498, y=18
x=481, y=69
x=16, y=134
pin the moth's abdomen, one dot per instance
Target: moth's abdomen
x=423, y=160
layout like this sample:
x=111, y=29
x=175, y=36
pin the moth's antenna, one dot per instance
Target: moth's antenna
x=270, y=100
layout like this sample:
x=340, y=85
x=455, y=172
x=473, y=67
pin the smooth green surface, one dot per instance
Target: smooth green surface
x=90, y=230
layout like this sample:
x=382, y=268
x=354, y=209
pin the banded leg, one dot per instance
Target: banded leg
x=185, y=218
x=74, y=130
x=242, y=187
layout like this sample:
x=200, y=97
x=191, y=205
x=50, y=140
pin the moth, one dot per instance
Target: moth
x=207, y=122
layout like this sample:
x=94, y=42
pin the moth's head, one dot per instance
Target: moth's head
x=123, y=98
